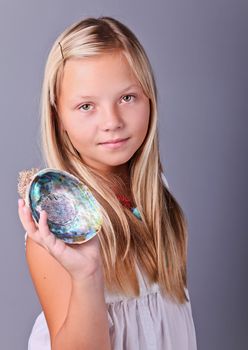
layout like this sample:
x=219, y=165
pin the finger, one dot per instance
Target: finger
x=43, y=225
x=26, y=217
x=49, y=240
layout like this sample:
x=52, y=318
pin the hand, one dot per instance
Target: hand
x=80, y=260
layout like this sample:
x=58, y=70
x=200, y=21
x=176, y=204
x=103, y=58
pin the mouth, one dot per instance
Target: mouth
x=114, y=143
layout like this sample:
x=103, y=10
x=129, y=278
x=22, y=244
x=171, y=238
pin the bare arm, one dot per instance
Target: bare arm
x=69, y=284
x=86, y=323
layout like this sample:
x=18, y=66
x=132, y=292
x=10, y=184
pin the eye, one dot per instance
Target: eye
x=128, y=97
x=87, y=107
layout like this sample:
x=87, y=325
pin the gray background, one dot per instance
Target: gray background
x=199, y=53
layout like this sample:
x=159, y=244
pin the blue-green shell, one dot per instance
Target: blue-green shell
x=74, y=215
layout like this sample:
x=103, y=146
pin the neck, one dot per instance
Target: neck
x=118, y=179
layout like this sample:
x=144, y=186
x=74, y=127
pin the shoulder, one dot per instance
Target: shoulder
x=164, y=180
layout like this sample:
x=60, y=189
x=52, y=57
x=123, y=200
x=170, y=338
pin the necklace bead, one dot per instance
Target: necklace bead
x=128, y=204
x=136, y=213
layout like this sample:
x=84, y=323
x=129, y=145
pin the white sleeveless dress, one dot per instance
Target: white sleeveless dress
x=147, y=322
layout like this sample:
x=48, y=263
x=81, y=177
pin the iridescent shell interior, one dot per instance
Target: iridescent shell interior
x=74, y=215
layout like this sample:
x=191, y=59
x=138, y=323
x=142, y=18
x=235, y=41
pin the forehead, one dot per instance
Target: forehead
x=103, y=61
x=103, y=73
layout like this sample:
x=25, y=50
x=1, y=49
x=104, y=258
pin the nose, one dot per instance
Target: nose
x=110, y=119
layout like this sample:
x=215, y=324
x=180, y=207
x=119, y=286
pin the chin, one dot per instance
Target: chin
x=119, y=160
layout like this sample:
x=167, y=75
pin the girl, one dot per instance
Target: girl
x=126, y=288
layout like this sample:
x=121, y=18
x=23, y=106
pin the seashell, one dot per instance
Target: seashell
x=25, y=176
x=74, y=215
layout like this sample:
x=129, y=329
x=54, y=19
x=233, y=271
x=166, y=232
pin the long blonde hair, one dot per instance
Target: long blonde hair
x=158, y=243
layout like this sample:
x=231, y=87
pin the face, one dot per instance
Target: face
x=103, y=109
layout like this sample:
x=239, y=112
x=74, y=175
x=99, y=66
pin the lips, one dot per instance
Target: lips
x=113, y=141
x=114, y=144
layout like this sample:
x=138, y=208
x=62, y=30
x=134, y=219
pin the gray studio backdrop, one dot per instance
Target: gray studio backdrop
x=199, y=53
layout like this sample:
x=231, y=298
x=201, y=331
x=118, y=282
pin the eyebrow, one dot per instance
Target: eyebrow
x=127, y=88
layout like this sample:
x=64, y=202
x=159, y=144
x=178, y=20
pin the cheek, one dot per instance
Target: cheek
x=141, y=121
x=80, y=131
x=77, y=138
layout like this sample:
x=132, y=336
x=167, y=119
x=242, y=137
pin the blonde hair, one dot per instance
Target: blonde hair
x=158, y=243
